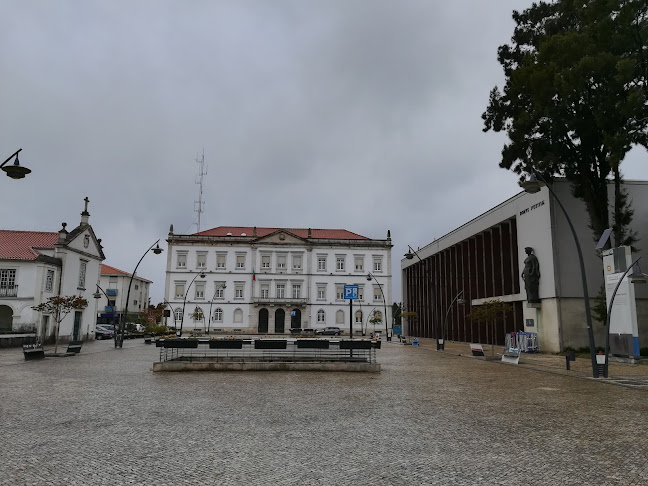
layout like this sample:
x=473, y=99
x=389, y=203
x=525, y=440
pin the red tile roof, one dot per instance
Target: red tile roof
x=108, y=270
x=330, y=234
x=24, y=245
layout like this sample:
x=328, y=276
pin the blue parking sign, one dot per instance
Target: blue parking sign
x=351, y=292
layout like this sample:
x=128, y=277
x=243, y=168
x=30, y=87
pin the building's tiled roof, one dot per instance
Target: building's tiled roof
x=24, y=245
x=108, y=270
x=329, y=234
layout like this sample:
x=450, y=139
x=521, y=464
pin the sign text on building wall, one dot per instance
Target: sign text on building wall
x=535, y=206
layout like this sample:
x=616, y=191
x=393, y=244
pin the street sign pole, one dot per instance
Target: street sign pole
x=351, y=292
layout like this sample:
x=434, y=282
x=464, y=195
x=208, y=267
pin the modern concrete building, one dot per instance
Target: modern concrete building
x=271, y=280
x=484, y=259
x=37, y=265
x=115, y=283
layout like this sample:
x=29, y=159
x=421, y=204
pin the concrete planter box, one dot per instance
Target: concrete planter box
x=270, y=344
x=226, y=344
x=355, y=344
x=180, y=343
x=313, y=343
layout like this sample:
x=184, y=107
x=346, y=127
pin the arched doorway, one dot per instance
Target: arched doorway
x=6, y=318
x=295, y=319
x=263, y=321
x=280, y=321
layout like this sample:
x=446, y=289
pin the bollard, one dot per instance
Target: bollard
x=570, y=356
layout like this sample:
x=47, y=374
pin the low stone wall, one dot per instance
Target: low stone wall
x=264, y=366
x=16, y=340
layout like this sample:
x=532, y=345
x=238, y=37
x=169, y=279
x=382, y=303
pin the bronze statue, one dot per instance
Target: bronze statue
x=531, y=276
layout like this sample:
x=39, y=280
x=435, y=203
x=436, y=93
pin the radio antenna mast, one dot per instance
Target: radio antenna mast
x=199, y=205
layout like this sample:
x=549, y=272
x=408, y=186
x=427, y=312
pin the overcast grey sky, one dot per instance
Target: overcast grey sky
x=355, y=114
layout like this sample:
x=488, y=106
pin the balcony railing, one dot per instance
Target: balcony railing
x=11, y=291
x=289, y=301
x=111, y=292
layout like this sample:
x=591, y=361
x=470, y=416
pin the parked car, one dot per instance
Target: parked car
x=329, y=331
x=104, y=332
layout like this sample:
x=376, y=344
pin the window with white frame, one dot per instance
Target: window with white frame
x=201, y=260
x=281, y=262
x=297, y=262
x=177, y=314
x=321, y=316
x=49, y=281
x=377, y=297
x=281, y=291
x=339, y=317
x=238, y=291
x=219, y=293
x=359, y=263
x=238, y=316
x=265, y=261
x=377, y=264
x=182, y=259
x=265, y=291
x=339, y=292
x=82, y=274
x=360, y=292
x=321, y=263
x=240, y=262
x=179, y=290
x=7, y=279
x=321, y=292
x=358, y=317
x=200, y=290
x=340, y=261
x=296, y=291
x=220, y=261
x=218, y=315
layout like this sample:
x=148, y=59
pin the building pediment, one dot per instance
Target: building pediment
x=84, y=240
x=281, y=237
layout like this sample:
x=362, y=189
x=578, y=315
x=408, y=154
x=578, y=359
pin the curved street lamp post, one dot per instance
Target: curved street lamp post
x=444, y=331
x=184, y=302
x=372, y=276
x=97, y=296
x=172, y=310
x=410, y=255
x=635, y=277
x=218, y=287
x=15, y=171
x=533, y=186
x=157, y=250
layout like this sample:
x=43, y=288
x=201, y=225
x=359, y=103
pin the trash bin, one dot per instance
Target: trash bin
x=415, y=342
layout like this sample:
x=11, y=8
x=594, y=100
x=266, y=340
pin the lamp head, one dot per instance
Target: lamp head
x=16, y=171
x=157, y=250
x=369, y=277
x=97, y=295
x=532, y=185
x=637, y=277
x=409, y=255
x=202, y=275
x=461, y=301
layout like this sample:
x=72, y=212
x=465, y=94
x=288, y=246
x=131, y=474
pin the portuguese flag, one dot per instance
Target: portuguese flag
x=253, y=276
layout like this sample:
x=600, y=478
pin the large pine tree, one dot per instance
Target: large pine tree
x=574, y=101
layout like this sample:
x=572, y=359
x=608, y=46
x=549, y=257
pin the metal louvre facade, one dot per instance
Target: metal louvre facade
x=483, y=266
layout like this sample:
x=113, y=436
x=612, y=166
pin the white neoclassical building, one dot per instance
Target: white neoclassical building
x=37, y=265
x=249, y=280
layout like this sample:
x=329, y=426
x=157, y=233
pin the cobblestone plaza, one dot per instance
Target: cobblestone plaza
x=103, y=417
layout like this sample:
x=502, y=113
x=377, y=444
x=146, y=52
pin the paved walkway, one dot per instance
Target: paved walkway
x=103, y=417
x=618, y=373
